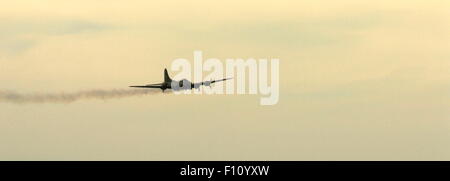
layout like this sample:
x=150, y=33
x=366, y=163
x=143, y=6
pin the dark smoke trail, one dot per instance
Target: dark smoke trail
x=14, y=97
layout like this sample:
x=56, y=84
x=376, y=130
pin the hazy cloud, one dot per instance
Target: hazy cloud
x=282, y=33
x=20, y=35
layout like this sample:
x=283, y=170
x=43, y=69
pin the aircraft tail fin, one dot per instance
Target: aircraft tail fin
x=166, y=76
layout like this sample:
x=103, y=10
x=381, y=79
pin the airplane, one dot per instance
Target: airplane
x=177, y=85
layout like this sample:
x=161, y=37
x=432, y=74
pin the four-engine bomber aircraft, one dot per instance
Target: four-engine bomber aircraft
x=178, y=85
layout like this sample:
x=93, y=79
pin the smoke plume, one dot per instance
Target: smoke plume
x=15, y=97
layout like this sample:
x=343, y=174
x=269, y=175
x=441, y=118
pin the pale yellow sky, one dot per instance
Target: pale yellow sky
x=360, y=80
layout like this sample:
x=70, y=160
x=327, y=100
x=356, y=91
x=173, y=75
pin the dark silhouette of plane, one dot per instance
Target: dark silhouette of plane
x=178, y=85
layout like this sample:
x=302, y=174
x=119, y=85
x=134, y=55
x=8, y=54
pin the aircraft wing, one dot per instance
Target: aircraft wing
x=220, y=80
x=208, y=83
x=148, y=86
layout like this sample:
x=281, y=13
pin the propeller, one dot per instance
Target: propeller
x=210, y=81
